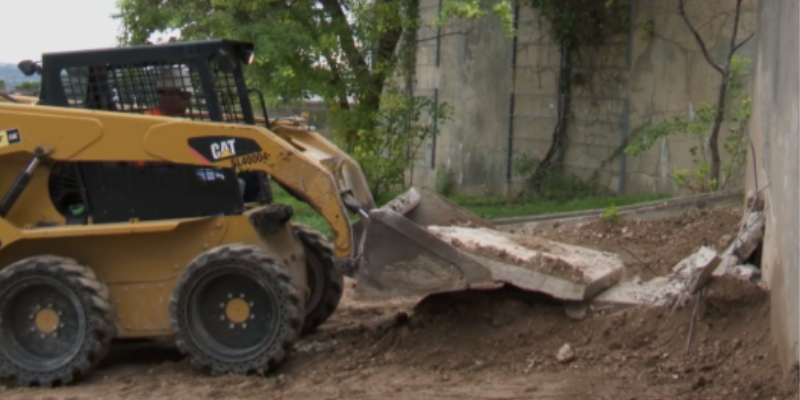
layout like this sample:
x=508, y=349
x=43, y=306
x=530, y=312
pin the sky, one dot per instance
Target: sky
x=29, y=28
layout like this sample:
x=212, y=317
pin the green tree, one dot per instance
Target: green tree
x=349, y=52
x=28, y=85
x=2, y=84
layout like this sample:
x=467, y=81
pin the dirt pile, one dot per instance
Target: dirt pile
x=657, y=245
x=501, y=344
x=510, y=333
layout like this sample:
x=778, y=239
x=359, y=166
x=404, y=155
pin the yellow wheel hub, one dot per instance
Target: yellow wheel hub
x=237, y=310
x=47, y=320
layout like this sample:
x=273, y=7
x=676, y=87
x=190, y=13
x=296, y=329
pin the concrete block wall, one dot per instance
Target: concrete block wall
x=775, y=169
x=644, y=78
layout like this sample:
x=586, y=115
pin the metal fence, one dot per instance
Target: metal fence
x=597, y=124
x=427, y=64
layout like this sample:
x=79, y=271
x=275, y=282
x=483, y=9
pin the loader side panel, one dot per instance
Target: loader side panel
x=141, y=266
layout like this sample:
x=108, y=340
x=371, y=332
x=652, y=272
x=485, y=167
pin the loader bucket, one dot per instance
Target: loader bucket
x=421, y=244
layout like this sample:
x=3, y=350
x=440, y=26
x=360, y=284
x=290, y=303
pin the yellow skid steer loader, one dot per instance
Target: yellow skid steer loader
x=122, y=215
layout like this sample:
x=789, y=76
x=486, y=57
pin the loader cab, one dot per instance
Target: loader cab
x=198, y=80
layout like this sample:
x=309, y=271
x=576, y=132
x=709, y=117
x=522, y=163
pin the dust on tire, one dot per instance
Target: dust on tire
x=327, y=288
x=92, y=313
x=253, y=262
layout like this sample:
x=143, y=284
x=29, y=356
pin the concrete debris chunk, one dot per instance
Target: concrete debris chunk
x=706, y=261
x=575, y=311
x=751, y=235
x=565, y=354
x=660, y=291
x=747, y=272
x=755, y=200
x=689, y=276
x=744, y=244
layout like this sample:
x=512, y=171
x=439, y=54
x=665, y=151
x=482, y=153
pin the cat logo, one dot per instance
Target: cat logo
x=224, y=149
x=9, y=137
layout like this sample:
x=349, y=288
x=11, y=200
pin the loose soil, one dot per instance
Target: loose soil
x=652, y=248
x=499, y=344
x=483, y=345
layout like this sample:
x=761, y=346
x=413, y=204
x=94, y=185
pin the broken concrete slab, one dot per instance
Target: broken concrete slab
x=563, y=271
x=751, y=235
x=698, y=268
x=660, y=291
x=744, y=244
x=689, y=276
x=746, y=272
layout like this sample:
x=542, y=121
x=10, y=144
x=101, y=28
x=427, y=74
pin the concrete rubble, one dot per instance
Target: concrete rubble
x=563, y=271
x=594, y=278
x=688, y=276
x=694, y=272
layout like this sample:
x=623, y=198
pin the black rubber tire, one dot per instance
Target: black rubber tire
x=93, y=316
x=260, y=272
x=325, y=279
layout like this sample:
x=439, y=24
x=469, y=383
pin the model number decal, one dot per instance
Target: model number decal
x=250, y=159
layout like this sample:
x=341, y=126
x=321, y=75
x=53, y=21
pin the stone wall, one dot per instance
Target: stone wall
x=775, y=133
x=505, y=98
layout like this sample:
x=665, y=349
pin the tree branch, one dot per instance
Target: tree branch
x=735, y=30
x=747, y=39
x=700, y=42
x=444, y=35
x=346, y=39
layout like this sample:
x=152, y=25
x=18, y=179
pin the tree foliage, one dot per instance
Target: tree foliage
x=354, y=54
x=710, y=173
x=737, y=107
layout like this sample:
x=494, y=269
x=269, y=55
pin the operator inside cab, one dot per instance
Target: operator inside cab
x=175, y=92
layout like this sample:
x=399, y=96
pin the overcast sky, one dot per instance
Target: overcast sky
x=29, y=28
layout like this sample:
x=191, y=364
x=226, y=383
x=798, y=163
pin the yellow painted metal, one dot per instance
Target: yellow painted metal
x=140, y=262
x=302, y=161
x=237, y=310
x=47, y=320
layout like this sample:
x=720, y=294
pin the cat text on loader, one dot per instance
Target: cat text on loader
x=123, y=215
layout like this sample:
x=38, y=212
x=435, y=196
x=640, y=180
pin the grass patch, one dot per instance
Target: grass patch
x=484, y=207
x=492, y=208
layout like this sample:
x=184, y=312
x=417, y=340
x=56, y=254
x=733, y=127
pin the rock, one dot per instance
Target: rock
x=576, y=312
x=698, y=268
x=565, y=354
x=751, y=235
x=747, y=272
x=755, y=200
x=724, y=241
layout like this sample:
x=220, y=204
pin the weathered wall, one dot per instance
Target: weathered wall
x=776, y=137
x=670, y=76
x=505, y=98
x=469, y=69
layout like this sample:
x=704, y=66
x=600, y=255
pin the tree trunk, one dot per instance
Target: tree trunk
x=559, y=137
x=713, y=139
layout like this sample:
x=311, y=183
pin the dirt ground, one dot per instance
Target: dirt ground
x=653, y=248
x=492, y=345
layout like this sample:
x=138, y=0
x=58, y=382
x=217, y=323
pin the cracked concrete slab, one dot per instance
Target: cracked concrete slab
x=563, y=271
